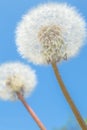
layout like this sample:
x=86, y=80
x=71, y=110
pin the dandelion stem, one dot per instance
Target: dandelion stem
x=68, y=98
x=32, y=113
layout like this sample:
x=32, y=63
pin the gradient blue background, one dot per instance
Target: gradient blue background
x=47, y=100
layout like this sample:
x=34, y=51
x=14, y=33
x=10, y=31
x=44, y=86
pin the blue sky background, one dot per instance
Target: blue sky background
x=47, y=100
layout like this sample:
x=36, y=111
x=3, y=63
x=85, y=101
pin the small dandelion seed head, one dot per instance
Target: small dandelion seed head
x=16, y=77
x=51, y=32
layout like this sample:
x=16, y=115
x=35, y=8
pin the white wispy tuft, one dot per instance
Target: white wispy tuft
x=16, y=77
x=43, y=48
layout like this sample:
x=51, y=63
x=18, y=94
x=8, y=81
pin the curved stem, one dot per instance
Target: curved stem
x=68, y=98
x=29, y=109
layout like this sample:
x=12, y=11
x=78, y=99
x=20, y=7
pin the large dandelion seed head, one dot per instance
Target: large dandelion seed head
x=16, y=77
x=50, y=33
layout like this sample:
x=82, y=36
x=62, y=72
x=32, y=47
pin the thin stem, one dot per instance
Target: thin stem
x=68, y=98
x=29, y=109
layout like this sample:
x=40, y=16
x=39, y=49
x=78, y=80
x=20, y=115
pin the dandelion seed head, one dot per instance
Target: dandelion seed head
x=16, y=77
x=51, y=32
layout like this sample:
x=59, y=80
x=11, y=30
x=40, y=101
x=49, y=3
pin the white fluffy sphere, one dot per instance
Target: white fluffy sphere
x=40, y=41
x=16, y=77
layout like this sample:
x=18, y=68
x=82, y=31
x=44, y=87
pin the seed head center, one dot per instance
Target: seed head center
x=49, y=34
x=52, y=43
x=15, y=82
